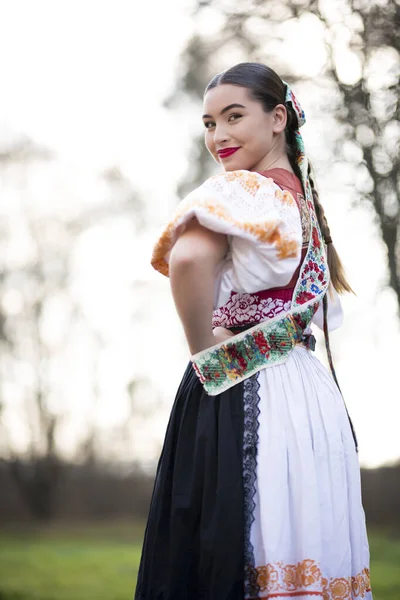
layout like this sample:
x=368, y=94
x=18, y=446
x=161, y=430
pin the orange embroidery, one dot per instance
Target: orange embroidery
x=309, y=573
x=290, y=577
x=279, y=581
x=287, y=198
x=249, y=181
x=360, y=583
x=287, y=248
x=340, y=589
x=267, y=575
x=325, y=594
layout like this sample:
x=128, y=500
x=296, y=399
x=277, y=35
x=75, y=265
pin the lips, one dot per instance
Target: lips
x=227, y=152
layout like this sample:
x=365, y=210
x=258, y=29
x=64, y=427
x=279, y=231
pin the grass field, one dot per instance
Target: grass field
x=99, y=562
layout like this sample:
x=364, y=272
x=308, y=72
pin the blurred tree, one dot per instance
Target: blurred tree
x=36, y=246
x=361, y=60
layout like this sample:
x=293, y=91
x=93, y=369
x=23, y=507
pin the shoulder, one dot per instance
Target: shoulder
x=239, y=191
x=242, y=182
x=241, y=204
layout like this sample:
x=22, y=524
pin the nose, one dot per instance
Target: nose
x=220, y=135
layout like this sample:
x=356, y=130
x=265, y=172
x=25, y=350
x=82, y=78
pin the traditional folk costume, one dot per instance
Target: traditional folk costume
x=257, y=492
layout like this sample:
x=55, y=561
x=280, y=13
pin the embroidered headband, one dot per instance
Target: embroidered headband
x=290, y=98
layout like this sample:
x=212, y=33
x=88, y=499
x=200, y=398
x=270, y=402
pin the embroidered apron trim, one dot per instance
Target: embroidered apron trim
x=266, y=344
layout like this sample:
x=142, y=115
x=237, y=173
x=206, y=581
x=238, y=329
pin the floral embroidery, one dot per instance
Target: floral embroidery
x=360, y=584
x=304, y=297
x=315, y=238
x=314, y=275
x=340, y=588
x=248, y=308
x=290, y=577
x=266, y=344
x=290, y=97
x=280, y=580
x=314, y=281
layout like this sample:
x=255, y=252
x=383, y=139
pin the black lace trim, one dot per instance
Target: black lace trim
x=251, y=400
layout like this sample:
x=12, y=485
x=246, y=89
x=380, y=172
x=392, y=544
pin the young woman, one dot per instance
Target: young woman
x=257, y=492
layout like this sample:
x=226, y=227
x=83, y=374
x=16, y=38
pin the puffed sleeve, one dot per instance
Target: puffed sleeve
x=262, y=223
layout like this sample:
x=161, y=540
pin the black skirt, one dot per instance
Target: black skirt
x=197, y=539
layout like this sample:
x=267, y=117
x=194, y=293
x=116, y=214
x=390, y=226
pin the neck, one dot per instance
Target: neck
x=267, y=163
x=275, y=159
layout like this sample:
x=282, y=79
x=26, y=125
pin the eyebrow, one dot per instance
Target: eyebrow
x=224, y=110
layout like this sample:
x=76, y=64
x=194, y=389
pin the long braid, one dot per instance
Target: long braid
x=336, y=269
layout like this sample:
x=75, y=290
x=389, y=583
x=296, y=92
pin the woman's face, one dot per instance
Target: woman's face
x=239, y=133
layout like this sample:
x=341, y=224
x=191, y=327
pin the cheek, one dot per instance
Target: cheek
x=248, y=135
x=209, y=142
x=259, y=130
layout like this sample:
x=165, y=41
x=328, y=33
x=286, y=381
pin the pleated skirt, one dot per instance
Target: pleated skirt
x=257, y=493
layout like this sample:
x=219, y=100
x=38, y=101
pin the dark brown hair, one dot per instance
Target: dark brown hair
x=268, y=88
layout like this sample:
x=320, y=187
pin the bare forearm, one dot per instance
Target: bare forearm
x=192, y=285
x=192, y=269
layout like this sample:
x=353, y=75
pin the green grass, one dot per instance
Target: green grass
x=97, y=562
x=100, y=561
x=385, y=566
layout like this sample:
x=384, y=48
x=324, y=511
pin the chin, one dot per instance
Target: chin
x=234, y=166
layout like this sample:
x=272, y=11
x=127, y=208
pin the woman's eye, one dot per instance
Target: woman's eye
x=233, y=117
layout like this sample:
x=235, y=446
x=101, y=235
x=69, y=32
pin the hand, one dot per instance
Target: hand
x=221, y=334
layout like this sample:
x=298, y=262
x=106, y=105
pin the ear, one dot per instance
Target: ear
x=279, y=118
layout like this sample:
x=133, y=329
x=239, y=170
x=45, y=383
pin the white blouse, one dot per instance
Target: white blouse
x=264, y=231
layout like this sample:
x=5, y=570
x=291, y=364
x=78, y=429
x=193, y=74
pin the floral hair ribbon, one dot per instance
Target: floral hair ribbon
x=290, y=98
x=301, y=157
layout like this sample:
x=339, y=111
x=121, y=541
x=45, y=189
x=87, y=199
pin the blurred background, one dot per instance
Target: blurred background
x=100, y=136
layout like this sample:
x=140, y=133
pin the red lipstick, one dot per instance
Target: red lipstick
x=225, y=152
